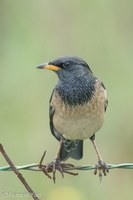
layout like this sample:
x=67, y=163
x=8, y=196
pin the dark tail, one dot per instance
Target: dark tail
x=71, y=149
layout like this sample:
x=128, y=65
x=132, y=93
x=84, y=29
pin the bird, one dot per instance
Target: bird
x=76, y=109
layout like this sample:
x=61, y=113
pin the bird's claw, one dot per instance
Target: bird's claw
x=102, y=167
x=55, y=165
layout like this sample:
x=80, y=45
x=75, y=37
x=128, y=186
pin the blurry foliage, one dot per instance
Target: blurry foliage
x=32, y=32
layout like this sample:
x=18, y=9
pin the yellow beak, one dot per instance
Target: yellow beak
x=47, y=66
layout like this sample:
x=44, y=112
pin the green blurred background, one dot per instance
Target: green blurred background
x=33, y=32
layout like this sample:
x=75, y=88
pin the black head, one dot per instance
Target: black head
x=76, y=83
x=68, y=67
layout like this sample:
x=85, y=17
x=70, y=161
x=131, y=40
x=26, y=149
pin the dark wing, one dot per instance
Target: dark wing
x=70, y=148
x=106, y=102
x=51, y=114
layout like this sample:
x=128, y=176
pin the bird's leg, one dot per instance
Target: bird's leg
x=56, y=162
x=59, y=149
x=101, y=166
x=56, y=165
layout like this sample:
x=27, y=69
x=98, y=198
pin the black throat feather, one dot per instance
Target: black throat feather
x=76, y=91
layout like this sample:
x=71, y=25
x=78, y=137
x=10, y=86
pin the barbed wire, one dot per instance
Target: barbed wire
x=19, y=175
x=35, y=167
x=65, y=168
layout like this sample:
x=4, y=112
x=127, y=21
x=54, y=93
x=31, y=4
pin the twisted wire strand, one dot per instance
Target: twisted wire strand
x=34, y=167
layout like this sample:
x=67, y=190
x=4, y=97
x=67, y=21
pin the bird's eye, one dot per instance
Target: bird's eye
x=50, y=63
x=66, y=64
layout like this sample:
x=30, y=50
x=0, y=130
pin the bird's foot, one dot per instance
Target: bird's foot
x=103, y=169
x=56, y=165
x=53, y=166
